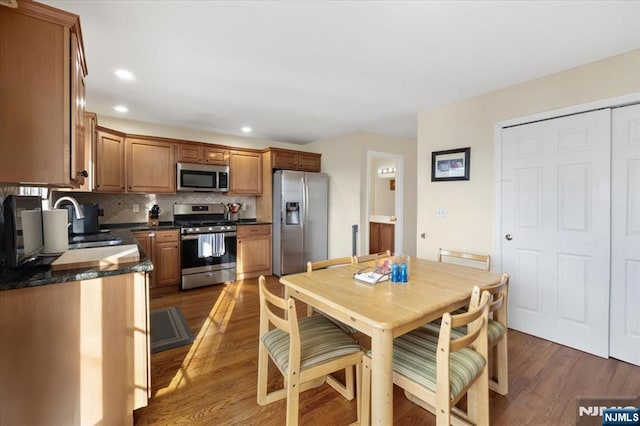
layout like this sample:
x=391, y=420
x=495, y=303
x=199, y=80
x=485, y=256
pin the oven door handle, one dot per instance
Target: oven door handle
x=195, y=236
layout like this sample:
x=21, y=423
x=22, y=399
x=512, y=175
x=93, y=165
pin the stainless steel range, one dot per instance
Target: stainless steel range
x=208, y=253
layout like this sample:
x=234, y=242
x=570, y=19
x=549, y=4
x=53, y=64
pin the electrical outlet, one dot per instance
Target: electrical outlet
x=136, y=208
x=244, y=207
x=440, y=212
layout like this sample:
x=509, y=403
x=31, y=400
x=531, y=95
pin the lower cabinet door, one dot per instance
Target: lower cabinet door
x=167, y=264
x=254, y=256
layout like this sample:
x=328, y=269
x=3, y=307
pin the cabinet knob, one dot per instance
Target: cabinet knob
x=83, y=173
x=152, y=234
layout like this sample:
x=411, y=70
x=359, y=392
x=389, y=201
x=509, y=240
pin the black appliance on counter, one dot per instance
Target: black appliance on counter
x=86, y=232
x=87, y=225
x=22, y=233
x=199, y=225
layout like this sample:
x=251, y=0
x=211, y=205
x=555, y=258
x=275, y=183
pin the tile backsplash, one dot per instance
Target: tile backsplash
x=118, y=208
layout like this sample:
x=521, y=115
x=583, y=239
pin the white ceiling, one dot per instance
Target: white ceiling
x=299, y=71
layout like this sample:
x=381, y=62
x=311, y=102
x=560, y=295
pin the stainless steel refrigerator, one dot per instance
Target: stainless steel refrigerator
x=300, y=216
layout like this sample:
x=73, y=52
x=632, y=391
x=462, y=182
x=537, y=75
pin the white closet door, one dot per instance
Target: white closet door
x=625, y=234
x=556, y=228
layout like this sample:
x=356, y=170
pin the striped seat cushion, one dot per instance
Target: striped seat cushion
x=414, y=356
x=320, y=341
x=494, y=330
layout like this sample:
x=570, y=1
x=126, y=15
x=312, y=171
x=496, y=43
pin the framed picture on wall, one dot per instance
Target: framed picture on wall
x=452, y=164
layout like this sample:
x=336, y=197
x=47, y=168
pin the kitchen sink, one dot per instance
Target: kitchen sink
x=93, y=240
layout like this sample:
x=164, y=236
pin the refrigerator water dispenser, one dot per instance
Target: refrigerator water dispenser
x=292, y=216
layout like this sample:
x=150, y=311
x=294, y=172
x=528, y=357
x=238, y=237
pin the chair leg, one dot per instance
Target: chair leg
x=359, y=391
x=365, y=395
x=263, y=366
x=478, y=399
x=293, y=398
x=501, y=371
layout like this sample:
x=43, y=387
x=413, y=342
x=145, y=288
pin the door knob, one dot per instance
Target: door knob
x=508, y=237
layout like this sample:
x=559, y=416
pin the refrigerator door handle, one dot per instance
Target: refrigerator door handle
x=306, y=198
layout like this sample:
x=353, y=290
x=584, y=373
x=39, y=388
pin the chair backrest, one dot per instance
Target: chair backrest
x=478, y=261
x=498, y=299
x=287, y=320
x=370, y=257
x=476, y=320
x=321, y=264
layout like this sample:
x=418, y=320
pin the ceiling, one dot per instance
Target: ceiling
x=308, y=70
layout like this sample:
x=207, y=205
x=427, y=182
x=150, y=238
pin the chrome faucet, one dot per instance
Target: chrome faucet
x=76, y=206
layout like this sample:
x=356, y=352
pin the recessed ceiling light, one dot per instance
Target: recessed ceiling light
x=246, y=129
x=124, y=74
x=121, y=108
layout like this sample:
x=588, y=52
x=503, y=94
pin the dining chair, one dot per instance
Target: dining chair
x=496, y=335
x=370, y=257
x=322, y=264
x=478, y=261
x=346, y=389
x=303, y=351
x=437, y=371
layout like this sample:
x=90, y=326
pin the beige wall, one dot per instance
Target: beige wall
x=470, y=204
x=344, y=158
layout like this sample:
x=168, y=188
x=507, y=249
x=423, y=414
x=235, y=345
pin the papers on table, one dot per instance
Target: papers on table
x=371, y=277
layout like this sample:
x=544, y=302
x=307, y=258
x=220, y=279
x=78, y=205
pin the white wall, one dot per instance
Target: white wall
x=344, y=158
x=470, y=204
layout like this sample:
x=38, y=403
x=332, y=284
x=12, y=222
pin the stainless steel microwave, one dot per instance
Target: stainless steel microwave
x=202, y=177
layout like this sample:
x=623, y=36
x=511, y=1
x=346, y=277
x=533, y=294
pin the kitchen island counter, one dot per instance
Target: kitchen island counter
x=39, y=275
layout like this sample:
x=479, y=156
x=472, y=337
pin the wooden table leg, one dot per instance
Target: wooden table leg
x=382, y=377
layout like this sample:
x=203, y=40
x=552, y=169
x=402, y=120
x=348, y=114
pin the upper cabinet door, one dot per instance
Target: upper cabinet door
x=309, y=162
x=215, y=156
x=36, y=106
x=150, y=166
x=245, y=170
x=79, y=167
x=285, y=160
x=189, y=153
x=109, y=162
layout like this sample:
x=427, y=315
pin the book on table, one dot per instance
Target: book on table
x=371, y=276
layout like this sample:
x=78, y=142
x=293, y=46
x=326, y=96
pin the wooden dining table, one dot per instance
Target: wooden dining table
x=387, y=310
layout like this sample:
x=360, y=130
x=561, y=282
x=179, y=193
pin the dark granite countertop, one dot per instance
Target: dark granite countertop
x=39, y=275
x=251, y=222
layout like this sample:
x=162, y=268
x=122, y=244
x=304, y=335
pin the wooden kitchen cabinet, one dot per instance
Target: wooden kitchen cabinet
x=245, y=170
x=286, y=159
x=194, y=153
x=254, y=251
x=163, y=248
x=150, y=166
x=281, y=159
x=75, y=353
x=90, y=123
x=42, y=70
x=381, y=237
x=109, y=161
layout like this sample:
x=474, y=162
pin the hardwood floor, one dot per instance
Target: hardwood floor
x=213, y=381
